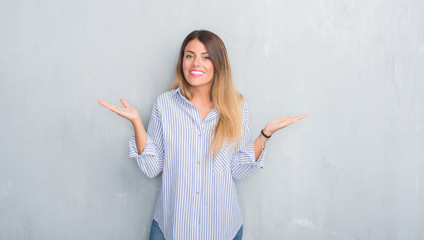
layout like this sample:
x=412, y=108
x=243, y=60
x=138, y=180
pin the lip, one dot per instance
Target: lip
x=196, y=73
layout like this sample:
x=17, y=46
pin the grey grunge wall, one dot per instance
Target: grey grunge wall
x=352, y=170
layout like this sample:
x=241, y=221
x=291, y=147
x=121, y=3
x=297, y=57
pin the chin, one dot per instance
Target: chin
x=197, y=83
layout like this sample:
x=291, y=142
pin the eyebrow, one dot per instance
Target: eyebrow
x=194, y=53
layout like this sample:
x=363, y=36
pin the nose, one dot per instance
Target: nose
x=196, y=61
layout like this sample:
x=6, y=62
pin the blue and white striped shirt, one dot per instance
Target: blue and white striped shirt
x=198, y=197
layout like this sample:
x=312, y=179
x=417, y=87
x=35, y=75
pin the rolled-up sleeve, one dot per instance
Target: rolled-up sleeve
x=243, y=162
x=151, y=159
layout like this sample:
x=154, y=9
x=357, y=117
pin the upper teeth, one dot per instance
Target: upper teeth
x=196, y=72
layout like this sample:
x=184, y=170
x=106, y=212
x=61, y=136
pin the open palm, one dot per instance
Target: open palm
x=127, y=111
x=282, y=122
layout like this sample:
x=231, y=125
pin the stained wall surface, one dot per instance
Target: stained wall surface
x=352, y=170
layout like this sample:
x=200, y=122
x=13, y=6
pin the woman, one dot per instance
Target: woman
x=199, y=138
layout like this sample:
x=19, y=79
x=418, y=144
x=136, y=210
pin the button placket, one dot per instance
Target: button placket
x=200, y=154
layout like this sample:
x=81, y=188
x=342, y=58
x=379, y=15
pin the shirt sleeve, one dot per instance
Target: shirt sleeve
x=151, y=159
x=243, y=162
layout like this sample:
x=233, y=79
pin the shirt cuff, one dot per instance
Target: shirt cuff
x=248, y=157
x=149, y=149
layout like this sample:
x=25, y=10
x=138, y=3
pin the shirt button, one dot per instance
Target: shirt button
x=200, y=134
x=198, y=162
x=197, y=193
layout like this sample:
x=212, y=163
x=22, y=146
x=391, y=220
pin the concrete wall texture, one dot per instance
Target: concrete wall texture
x=352, y=170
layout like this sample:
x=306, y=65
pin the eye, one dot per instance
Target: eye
x=188, y=56
x=207, y=58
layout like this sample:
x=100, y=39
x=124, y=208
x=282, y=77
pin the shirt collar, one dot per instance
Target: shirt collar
x=177, y=93
x=212, y=114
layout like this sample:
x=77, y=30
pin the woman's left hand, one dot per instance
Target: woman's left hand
x=280, y=123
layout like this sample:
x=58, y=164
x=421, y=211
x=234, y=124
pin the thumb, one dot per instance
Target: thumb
x=124, y=102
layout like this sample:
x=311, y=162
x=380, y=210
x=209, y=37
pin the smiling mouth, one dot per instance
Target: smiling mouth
x=196, y=73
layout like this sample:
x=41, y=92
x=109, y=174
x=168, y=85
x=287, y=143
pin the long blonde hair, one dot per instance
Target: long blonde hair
x=224, y=95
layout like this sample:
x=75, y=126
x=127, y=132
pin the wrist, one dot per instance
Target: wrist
x=136, y=122
x=267, y=132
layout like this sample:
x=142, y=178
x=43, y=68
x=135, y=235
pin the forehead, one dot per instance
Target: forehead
x=195, y=46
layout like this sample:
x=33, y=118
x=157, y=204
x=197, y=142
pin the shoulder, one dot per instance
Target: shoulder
x=166, y=96
x=162, y=101
x=245, y=110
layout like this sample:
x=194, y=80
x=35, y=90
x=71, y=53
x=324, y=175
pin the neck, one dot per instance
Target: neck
x=201, y=94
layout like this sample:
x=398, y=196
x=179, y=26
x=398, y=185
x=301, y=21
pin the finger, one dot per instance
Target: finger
x=282, y=119
x=103, y=103
x=284, y=124
x=288, y=122
x=124, y=102
x=109, y=106
x=116, y=109
x=301, y=117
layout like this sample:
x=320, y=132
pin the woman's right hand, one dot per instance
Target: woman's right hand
x=128, y=112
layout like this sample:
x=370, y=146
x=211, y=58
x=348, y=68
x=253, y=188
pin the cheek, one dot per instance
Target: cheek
x=184, y=65
x=211, y=70
x=186, y=70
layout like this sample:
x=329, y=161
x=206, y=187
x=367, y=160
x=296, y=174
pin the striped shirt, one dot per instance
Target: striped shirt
x=198, y=197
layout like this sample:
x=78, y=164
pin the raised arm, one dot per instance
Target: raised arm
x=271, y=128
x=133, y=116
x=145, y=147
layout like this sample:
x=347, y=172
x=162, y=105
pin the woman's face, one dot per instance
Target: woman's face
x=197, y=66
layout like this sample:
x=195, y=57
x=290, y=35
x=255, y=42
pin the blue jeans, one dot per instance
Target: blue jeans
x=157, y=234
